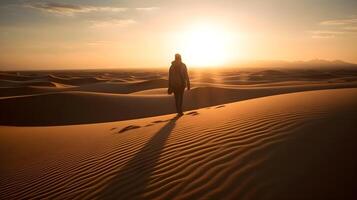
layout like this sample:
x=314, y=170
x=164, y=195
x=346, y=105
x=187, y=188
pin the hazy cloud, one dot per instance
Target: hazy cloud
x=338, y=22
x=147, y=8
x=321, y=34
x=350, y=28
x=98, y=43
x=337, y=27
x=112, y=23
x=70, y=9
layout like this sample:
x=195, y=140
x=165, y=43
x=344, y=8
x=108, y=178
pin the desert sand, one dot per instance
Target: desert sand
x=253, y=134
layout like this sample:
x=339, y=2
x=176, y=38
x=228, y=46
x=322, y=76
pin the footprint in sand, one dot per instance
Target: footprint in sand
x=193, y=113
x=156, y=122
x=221, y=106
x=129, y=128
x=160, y=121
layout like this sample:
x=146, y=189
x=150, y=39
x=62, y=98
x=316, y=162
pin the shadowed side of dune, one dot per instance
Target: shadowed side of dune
x=73, y=80
x=124, y=88
x=78, y=108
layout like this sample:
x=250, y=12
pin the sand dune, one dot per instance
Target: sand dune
x=74, y=80
x=77, y=107
x=124, y=88
x=19, y=77
x=291, y=146
x=16, y=88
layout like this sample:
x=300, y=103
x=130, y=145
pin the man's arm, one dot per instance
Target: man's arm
x=169, y=87
x=187, y=79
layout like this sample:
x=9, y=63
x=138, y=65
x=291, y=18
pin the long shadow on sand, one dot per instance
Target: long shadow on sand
x=132, y=179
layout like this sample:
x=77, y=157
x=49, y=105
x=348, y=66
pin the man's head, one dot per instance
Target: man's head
x=178, y=57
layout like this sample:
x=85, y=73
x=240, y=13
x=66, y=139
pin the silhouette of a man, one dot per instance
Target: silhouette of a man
x=178, y=81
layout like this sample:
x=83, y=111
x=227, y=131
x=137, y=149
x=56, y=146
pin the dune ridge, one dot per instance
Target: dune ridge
x=266, y=148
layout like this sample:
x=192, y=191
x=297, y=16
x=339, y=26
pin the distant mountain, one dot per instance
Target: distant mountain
x=323, y=63
x=310, y=64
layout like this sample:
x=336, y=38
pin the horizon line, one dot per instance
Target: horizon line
x=244, y=64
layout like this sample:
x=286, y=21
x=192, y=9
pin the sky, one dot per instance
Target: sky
x=84, y=34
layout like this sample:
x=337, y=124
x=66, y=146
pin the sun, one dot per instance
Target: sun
x=205, y=45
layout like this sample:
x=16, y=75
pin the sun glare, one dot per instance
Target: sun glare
x=205, y=45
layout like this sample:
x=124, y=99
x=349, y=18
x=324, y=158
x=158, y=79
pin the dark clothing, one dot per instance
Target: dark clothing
x=178, y=81
x=178, y=76
x=178, y=93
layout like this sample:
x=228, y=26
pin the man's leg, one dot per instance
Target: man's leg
x=180, y=96
x=176, y=94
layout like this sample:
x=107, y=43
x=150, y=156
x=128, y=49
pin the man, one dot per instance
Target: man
x=178, y=80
